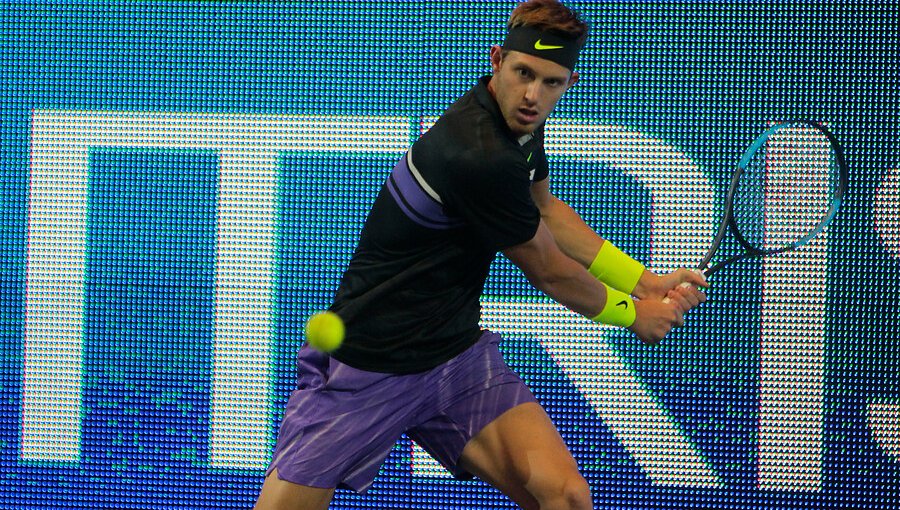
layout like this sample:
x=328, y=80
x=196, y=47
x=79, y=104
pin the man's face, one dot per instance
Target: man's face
x=527, y=88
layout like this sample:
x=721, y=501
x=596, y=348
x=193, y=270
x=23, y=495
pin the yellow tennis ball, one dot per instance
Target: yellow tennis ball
x=325, y=331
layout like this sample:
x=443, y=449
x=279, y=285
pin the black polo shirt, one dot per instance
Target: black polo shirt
x=410, y=296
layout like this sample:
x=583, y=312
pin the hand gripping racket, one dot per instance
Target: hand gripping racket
x=786, y=189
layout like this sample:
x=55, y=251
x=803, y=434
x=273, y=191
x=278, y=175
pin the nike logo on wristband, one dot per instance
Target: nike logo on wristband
x=623, y=303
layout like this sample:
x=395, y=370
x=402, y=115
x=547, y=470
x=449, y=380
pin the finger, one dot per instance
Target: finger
x=673, y=297
x=686, y=298
x=688, y=288
x=692, y=295
x=701, y=296
x=679, y=318
x=696, y=277
x=687, y=301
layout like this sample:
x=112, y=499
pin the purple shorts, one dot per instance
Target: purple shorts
x=341, y=423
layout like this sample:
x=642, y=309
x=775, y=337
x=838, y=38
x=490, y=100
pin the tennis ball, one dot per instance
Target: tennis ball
x=325, y=331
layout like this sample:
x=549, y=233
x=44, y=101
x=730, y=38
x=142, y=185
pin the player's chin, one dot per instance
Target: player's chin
x=523, y=128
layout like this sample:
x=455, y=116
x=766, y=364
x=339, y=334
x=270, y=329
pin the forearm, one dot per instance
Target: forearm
x=571, y=286
x=566, y=281
x=577, y=240
x=573, y=236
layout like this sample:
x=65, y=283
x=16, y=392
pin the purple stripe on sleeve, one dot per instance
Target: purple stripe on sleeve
x=415, y=202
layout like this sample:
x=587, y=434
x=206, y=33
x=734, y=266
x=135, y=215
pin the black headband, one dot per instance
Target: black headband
x=544, y=44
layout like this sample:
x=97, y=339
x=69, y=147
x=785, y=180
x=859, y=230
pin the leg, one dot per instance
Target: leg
x=523, y=455
x=277, y=494
x=339, y=425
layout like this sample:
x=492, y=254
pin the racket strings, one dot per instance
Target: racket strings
x=786, y=189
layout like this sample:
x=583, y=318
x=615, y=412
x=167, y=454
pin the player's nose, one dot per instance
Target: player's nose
x=532, y=93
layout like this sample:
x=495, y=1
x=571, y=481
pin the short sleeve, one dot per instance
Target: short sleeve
x=541, y=167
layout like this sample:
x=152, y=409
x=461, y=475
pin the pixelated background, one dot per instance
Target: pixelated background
x=183, y=184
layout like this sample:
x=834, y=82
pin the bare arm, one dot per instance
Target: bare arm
x=578, y=241
x=566, y=281
x=574, y=237
x=554, y=273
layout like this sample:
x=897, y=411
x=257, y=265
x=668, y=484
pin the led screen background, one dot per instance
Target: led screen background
x=183, y=183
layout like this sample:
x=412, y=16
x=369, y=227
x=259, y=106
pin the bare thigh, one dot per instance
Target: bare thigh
x=277, y=494
x=522, y=454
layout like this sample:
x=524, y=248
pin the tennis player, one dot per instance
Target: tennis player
x=415, y=360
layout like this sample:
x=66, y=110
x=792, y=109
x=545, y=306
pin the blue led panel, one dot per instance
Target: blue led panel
x=183, y=183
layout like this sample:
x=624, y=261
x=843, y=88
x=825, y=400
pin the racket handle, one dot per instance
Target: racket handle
x=685, y=284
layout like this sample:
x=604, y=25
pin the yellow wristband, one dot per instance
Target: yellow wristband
x=613, y=267
x=618, y=310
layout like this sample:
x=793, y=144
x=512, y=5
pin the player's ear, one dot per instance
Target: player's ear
x=573, y=79
x=496, y=57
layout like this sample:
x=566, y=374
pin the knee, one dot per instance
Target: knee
x=572, y=492
x=577, y=494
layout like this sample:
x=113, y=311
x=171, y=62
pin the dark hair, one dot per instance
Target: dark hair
x=549, y=15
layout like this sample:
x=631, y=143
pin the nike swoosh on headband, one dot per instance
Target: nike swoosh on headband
x=539, y=46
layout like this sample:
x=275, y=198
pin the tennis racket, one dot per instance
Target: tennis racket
x=786, y=189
